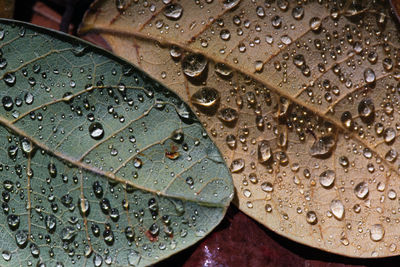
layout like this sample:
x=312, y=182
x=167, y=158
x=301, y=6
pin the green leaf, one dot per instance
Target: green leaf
x=101, y=164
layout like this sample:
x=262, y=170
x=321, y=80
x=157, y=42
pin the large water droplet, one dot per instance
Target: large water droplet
x=323, y=146
x=298, y=12
x=327, y=178
x=315, y=23
x=193, y=65
x=264, y=151
x=228, y=115
x=10, y=79
x=50, y=222
x=311, y=217
x=337, y=209
x=237, y=165
x=173, y=11
x=96, y=130
x=361, y=190
x=13, y=221
x=6, y=255
x=21, y=238
x=369, y=76
x=225, y=34
x=366, y=109
x=377, y=232
x=389, y=135
x=206, y=97
x=68, y=234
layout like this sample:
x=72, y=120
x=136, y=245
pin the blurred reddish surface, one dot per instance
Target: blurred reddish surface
x=238, y=240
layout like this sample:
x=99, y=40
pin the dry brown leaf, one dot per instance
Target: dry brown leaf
x=6, y=8
x=302, y=100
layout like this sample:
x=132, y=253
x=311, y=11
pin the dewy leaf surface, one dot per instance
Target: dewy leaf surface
x=302, y=98
x=100, y=164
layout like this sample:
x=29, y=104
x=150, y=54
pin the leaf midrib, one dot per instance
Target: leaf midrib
x=294, y=100
x=109, y=175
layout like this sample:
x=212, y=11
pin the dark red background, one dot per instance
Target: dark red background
x=238, y=240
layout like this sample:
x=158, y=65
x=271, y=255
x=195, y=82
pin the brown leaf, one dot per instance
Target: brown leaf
x=302, y=100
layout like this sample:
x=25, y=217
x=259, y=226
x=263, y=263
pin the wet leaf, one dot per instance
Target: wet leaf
x=308, y=104
x=85, y=176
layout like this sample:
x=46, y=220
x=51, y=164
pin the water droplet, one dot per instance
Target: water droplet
x=133, y=258
x=229, y=4
x=228, y=115
x=391, y=155
x=175, y=52
x=389, y=135
x=6, y=255
x=193, y=65
x=369, y=76
x=237, y=165
x=10, y=79
x=264, y=151
x=299, y=60
x=258, y=66
x=377, y=232
x=337, y=209
x=315, y=23
x=68, y=233
x=26, y=145
x=361, y=190
x=327, y=178
x=8, y=103
x=50, y=222
x=225, y=34
x=97, y=260
x=260, y=11
x=21, y=238
x=129, y=233
x=13, y=221
x=366, y=109
x=323, y=146
x=231, y=141
x=35, y=251
x=173, y=11
x=96, y=131
x=267, y=187
x=298, y=12
x=311, y=217
x=206, y=97
x=51, y=167
x=121, y=5
x=97, y=189
x=223, y=70
x=84, y=206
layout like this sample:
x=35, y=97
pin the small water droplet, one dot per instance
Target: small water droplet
x=311, y=217
x=264, y=151
x=323, y=146
x=315, y=23
x=228, y=115
x=10, y=79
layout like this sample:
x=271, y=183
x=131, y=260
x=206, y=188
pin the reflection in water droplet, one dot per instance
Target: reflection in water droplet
x=377, y=232
x=366, y=110
x=6, y=255
x=361, y=190
x=327, y=178
x=369, y=76
x=121, y=5
x=9, y=78
x=175, y=52
x=264, y=151
x=225, y=34
x=298, y=12
x=206, y=97
x=228, y=115
x=337, y=209
x=223, y=70
x=315, y=23
x=323, y=146
x=389, y=135
x=311, y=217
x=231, y=141
x=258, y=66
x=133, y=258
x=391, y=155
x=193, y=65
x=173, y=11
x=267, y=187
x=237, y=165
x=228, y=4
x=96, y=130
